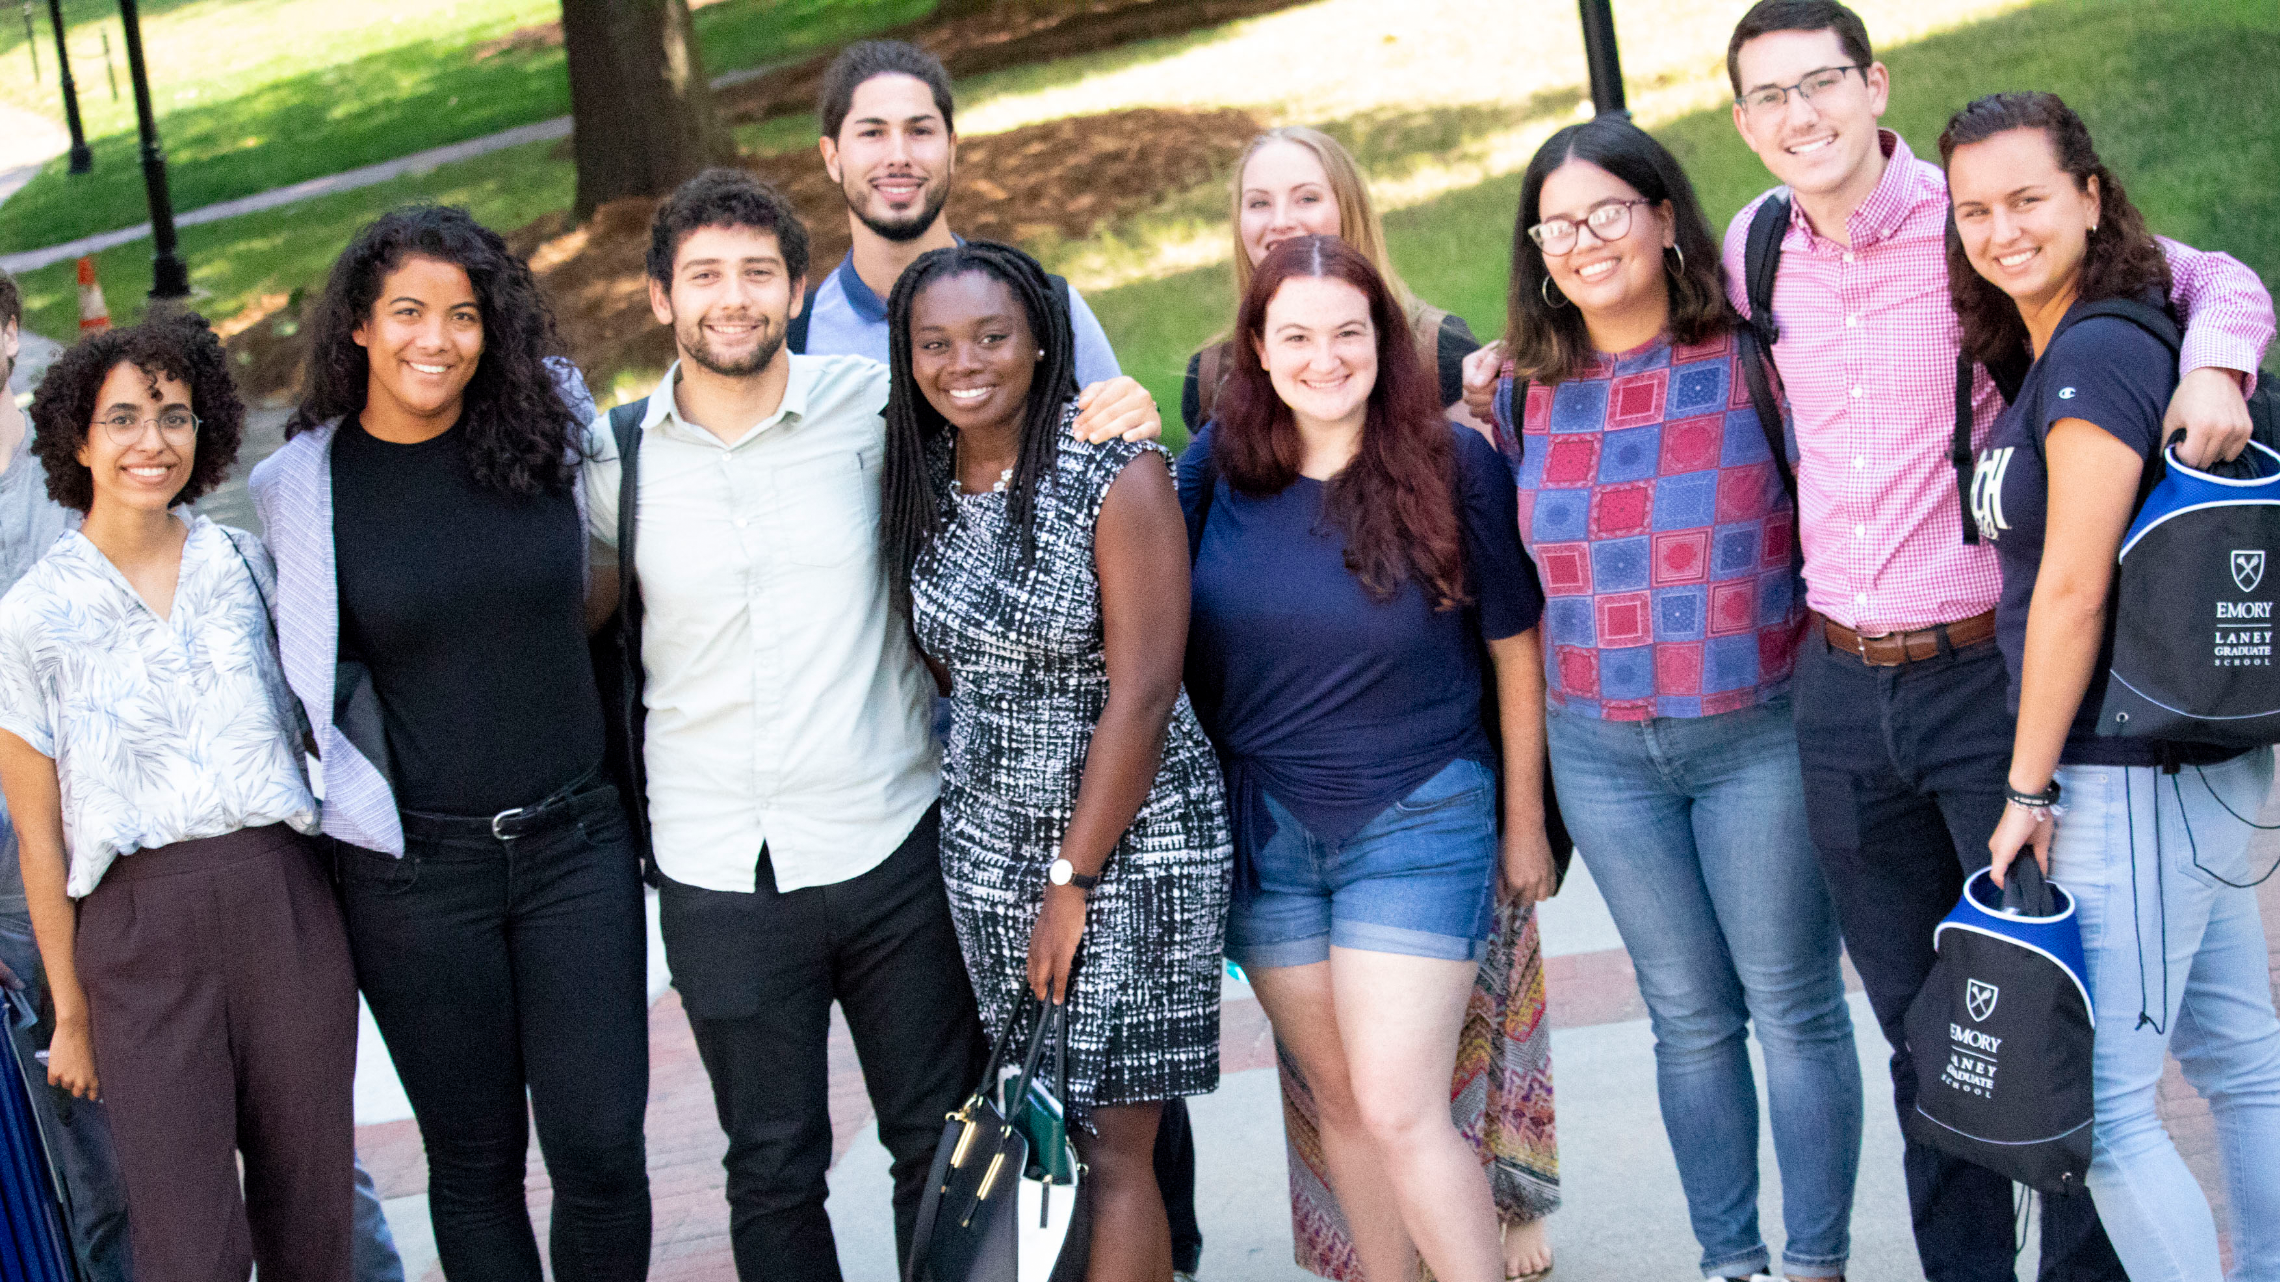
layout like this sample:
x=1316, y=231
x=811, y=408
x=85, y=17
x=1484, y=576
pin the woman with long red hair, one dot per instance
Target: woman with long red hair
x=1356, y=556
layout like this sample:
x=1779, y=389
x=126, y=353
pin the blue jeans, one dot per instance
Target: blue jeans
x=2177, y=963
x=1694, y=829
x=1418, y=879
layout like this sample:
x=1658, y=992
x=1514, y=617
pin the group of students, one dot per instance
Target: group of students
x=1299, y=701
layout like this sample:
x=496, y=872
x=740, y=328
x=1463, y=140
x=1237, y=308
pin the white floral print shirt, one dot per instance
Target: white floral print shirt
x=162, y=730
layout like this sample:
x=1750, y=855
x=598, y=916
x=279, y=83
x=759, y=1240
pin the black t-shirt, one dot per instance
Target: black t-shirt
x=1454, y=342
x=2110, y=373
x=468, y=607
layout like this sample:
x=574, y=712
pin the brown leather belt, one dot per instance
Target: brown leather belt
x=1893, y=649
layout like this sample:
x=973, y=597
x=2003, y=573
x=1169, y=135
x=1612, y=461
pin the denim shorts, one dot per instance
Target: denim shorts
x=1419, y=879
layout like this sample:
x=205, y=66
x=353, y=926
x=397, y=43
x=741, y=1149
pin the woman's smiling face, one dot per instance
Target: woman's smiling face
x=972, y=351
x=1286, y=193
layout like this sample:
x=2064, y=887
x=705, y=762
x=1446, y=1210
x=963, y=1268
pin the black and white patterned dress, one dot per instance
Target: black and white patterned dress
x=1030, y=679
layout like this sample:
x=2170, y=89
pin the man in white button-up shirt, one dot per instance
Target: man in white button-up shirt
x=791, y=769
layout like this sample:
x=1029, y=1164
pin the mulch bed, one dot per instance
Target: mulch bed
x=1062, y=177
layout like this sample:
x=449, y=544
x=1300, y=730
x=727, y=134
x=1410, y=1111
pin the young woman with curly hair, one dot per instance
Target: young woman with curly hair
x=2153, y=840
x=153, y=767
x=433, y=580
x=1354, y=555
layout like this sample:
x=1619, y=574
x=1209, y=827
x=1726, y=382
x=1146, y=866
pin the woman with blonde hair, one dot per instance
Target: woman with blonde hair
x=1292, y=182
x=1298, y=181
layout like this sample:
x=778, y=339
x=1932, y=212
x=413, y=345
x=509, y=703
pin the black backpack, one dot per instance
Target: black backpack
x=2001, y=1034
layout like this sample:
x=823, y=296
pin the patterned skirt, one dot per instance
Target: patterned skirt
x=1500, y=1098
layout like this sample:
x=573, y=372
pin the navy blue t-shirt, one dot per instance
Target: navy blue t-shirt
x=1336, y=703
x=2107, y=372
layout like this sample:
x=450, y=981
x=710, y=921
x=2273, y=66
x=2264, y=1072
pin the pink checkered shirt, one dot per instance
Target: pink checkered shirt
x=1867, y=358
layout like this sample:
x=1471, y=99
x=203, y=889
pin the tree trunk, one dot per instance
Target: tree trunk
x=639, y=97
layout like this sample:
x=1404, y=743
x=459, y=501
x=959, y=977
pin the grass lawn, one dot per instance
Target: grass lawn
x=2182, y=99
x=280, y=250
x=255, y=94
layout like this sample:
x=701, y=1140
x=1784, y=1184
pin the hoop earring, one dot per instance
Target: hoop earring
x=1681, y=272
x=1546, y=290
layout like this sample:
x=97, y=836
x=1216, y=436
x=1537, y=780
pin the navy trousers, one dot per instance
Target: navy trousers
x=1904, y=776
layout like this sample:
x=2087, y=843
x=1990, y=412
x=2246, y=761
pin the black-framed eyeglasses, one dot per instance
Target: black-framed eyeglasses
x=1608, y=220
x=1767, y=100
x=126, y=429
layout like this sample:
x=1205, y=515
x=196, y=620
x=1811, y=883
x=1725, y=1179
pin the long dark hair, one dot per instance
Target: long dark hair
x=1396, y=501
x=2120, y=260
x=1550, y=344
x=910, y=512
x=521, y=436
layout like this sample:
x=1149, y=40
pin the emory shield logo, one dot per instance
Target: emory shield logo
x=1979, y=998
x=2248, y=569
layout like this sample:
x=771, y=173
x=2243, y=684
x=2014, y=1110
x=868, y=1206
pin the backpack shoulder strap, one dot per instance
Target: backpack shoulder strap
x=1959, y=446
x=1761, y=264
x=1755, y=359
x=2144, y=315
x=1210, y=372
x=795, y=334
x=625, y=427
x=1425, y=329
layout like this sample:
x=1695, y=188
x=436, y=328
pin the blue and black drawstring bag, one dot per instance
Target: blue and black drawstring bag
x=2001, y=1034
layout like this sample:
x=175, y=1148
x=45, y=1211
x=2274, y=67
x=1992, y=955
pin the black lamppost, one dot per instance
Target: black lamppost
x=82, y=159
x=1599, y=55
x=169, y=279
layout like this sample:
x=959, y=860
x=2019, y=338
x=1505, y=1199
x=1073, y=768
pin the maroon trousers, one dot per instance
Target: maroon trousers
x=224, y=1016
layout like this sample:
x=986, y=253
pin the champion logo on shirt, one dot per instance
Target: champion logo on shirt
x=2066, y=393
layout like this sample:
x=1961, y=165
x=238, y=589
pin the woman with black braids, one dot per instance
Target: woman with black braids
x=432, y=585
x=1084, y=829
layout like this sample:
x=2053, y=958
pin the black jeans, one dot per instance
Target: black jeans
x=758, y=972
x=496, y=968
x=1904, y=776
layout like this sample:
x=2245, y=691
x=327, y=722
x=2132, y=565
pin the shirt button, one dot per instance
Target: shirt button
x=1861, y=531
x=1851, y=321
x=1859, y=463
x=1860, y=598
x=740, y=523
x=1859, y=391
x=1848, y=256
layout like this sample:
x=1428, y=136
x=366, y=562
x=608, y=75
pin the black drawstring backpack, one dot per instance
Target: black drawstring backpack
x=2001, y=1032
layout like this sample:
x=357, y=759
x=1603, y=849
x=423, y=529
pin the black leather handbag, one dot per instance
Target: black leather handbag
x=1002, y=1199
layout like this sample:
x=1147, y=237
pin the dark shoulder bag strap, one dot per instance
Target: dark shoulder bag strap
x=1210, y=372
x=1959, y=450
x=625, y=428
x=795, y=341
x=1761, y=266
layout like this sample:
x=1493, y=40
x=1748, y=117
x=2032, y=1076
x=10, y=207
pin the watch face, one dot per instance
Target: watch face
x=1059, y=872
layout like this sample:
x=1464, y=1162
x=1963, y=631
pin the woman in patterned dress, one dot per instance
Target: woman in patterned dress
x=1084, y=828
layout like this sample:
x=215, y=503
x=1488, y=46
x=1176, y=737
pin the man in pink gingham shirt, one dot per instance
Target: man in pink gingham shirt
x=1900, y=697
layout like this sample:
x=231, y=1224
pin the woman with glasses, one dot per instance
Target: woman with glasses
x=1295, y=181
x=153, y=767
x=432, y=589
x=2153, y=838
x=1659, y=523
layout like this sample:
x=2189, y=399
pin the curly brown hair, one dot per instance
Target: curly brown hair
x=1396, y=501
x=181, y=346
x=2120, y=260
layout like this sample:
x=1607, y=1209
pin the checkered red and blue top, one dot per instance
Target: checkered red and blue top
x=1666, y=543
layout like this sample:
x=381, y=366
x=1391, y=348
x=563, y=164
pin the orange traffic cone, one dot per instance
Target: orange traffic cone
x=94, y=315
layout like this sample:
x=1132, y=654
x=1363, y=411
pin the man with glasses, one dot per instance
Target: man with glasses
x=1901, y=717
